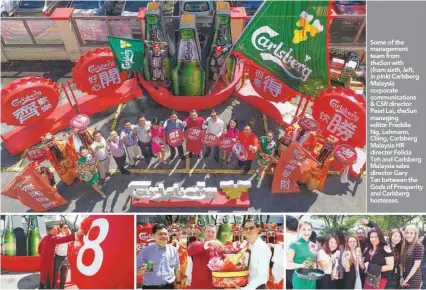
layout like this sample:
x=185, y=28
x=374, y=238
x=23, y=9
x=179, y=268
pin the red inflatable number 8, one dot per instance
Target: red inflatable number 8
x=96, y=264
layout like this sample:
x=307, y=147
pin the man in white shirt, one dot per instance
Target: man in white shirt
x=214, y=126
x=260, y=256
x=143, y=132
x=60, y=256
x=99, y=148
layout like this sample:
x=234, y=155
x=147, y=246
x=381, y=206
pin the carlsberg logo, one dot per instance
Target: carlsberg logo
x=261, y=40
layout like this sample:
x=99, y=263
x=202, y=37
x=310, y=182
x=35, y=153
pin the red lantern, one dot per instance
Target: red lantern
x=96, y=73
x=175, y=138
x=340, y=113
x=80, y=122
x=105, y=259
x=27, y=101
x=210, y=140
x=35, y=154
x=193, y=134
x=226, y=143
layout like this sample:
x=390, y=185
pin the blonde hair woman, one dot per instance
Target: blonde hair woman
x=412, y=256
x=351, y=261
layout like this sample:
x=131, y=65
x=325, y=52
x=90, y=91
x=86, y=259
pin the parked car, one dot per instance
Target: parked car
x=92, y=8
x=8, y=7
x=203, y=11
x=131, y=8
x=39, y=8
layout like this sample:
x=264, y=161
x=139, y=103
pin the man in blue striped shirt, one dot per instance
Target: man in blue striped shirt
x=159, y=263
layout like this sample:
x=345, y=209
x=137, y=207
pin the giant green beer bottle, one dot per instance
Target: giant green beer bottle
x=9, y=242
x=223, y=37
x=188, y=75
x=154, y=33
x=33, y=236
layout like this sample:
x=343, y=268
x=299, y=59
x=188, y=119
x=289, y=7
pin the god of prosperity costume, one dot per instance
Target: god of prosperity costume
x=276, y=266
x=80, y=138
x=307, y=139
x=317, y=176
x=62, y=157
x=175, y=232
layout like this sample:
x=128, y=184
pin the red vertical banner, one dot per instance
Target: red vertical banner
x=33, y=190
x=292, y=164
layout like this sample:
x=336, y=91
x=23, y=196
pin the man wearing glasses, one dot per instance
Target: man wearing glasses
x=60, y=265
x=159, y=263
x=260, y=256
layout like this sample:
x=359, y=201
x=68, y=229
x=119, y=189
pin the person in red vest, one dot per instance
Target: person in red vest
x=194, y=121
x=250, y=142
x=46, y=250
x=200, y=254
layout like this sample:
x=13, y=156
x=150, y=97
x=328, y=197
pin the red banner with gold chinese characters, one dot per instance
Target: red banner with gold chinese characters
x=292, y=164
x=33, y=190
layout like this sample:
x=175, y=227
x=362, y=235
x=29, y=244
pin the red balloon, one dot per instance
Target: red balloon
x=80, y=122
x=27, y=101
x=105, y=259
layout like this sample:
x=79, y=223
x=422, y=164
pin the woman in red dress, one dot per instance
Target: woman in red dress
x=250, y=143
x=194, y=121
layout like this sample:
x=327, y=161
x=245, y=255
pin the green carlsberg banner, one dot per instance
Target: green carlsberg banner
x=128, y=53
x=289, y=39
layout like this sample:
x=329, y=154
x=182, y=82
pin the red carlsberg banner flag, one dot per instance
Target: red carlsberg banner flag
x=33, y=190
x=290, y=168
x=285, y=46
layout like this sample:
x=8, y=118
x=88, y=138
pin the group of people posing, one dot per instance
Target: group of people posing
x=364, y=260
x=86, y=153
x=146, y=139
x=161, y=268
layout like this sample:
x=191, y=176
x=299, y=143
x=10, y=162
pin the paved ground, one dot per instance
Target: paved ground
x=334, y=198
x=17, y=280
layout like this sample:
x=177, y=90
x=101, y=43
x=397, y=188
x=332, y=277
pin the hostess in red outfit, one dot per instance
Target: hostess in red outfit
x=194, y=146
x=246, y=141
x=46, y=250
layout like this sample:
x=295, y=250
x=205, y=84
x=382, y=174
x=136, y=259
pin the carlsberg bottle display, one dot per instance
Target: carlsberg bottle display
x=188, y=75
x=223, y=37
x=33, y=236
x=9, y=241
x=154, y=33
